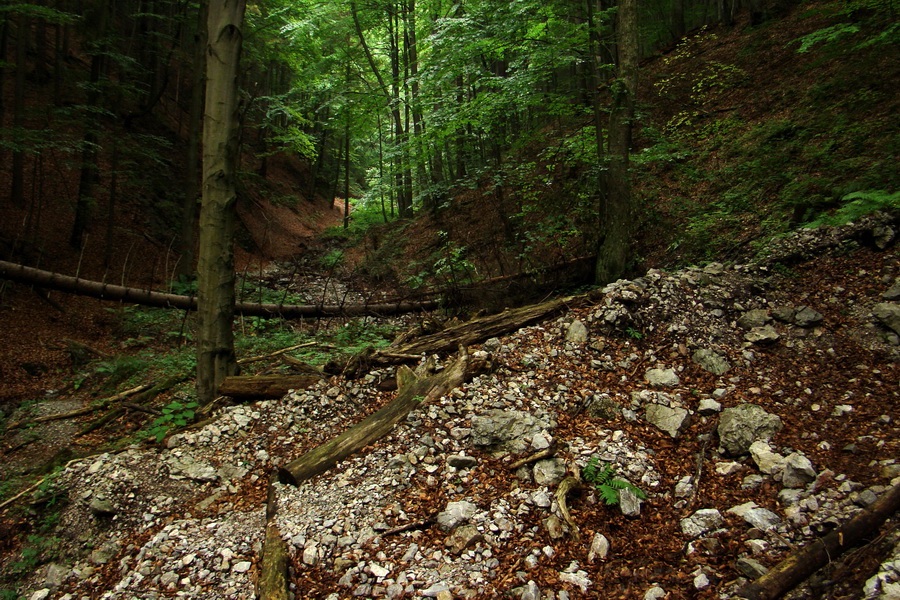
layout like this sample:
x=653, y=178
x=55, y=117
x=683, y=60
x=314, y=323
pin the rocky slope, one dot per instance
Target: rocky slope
x=755, y=405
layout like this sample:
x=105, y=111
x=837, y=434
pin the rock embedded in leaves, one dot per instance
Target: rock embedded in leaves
x=629, y=503
x=455, y=514
x=702, y=521
x=805, y=316
x=599, y=548
x=888, y=314
x=798, y=471
x=762, y=335
x=761, y=518
x=577, y=333
x=740, y=426
x=671, y=420
x=550, y=471
x=462, y=538
x=506, y=430
x=766, y=461
x=754, y=318
x=750, y=568
x=711, y=362
x=661, y=377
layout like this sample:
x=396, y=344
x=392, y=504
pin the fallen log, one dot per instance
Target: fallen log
x=264, y=386
x=414, y=389
x=482, y=328
x=82, y=411
x=273, y=569
x=106, y=291
x=797, y=567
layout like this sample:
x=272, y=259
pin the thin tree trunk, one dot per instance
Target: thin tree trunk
x=111, y=203
x=347, y=172
x=216, y=295
x=613, y=250
x=90, y=170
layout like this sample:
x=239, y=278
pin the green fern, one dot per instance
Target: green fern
x=607, y=485
x=858, y=204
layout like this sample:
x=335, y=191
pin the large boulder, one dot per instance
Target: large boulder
x=740, y=426
x=671, y=420
x=506, y=430
x=888, y=314
x=711, y=361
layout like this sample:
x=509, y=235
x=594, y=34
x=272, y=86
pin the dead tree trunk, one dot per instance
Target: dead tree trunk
x=803, y=563
x=264, y=386
x=104, y=291
x=414, y=389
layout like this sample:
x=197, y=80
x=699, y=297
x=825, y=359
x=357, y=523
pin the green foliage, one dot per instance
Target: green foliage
x=603, y=479
x=332, y=259
x=175, y=414
x=826, y=35
x=858, y=204
x=120, y=368
x=358, y=334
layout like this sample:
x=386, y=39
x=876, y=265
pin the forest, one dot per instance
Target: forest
x=211, y=206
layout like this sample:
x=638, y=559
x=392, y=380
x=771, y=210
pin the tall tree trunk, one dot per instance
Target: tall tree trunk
x=404, y=204
x=678, y=25
x=90, y=170
x=614, y=244
x=17, y=187
x=185, y=267
x=347, y=172
x=216, y=296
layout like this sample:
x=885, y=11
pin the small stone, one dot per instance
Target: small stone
x=701, y=581
x=754, y=318
x=629, y=503
x=804, y=316
x=888, y=314
x=712, y=362
x=577, y=333
x=378, y=571
x=435, y=589
x=655, y=593
x=798, y=471
x=455, y=514
x=242, y=567
x=750, y=568
x=599, y=548
x=766, y=461
x=311, y=555
x=671, y=420
x=727, y=468
x=555, y=527
x=762, y=335
x=463, y=538
x=578, y=578
x=40, y=594
x=708, y=406
x=102, y=507
x=702, y=521
x=530, y=592
x=662, y=377
x=741, y=425
x=549, y=471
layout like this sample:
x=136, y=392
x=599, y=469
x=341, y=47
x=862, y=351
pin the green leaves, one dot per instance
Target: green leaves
x=603, y=479
x=175, y=414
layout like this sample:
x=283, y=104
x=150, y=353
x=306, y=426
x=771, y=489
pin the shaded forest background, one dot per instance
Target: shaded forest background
x=463, y=137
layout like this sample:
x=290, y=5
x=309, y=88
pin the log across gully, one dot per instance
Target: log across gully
x=105, y=291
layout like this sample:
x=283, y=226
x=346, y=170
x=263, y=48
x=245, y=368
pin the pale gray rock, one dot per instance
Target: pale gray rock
x=40, y=594
x=762, y=335
x=754, y=318
x=655, y=593
x=529, y=591
x=798, y=471
x=662, y=377
x=883, y=235
x=577, y=333
x=671, y=420
x=433, y=590
x=805, y=316
x=888, y=314
x=708, y=406
x=702, y=521
x=506, y=430
x=629, y=503
x=599, y=548
x=740, y=426
x=491, y=344
x=102, y=507
x=684, y=487
x=578, y=578
x=555, y=527
x=785, y=314
x=549, y=471
x=761, y=518
x=728, y=468
x=701, y=581
x=455, y=514
x=766, y=461
x=711, y=361
x=892, y=293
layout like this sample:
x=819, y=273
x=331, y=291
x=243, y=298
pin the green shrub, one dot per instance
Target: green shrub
x=603, y=479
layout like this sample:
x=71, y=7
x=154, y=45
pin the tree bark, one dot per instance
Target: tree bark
x=613, y=250
x=264, y=386
x=215, y=347
x=17, y=187
x=414, y=390
x=803, y=563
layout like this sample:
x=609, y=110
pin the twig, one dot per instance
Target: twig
x=539, y=455
x=82, y=411
x=412, y=526
x=253, y=359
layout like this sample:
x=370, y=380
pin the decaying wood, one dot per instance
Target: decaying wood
x=801, y=564
x=413, y=391
x=82, y=411
x=143, y=397
x=264, y=386
x=105, y=291
x=273, y=570
x=569, y=485
x=539, y=455
x=412, y=526
x=253, y=359
x=482, y=328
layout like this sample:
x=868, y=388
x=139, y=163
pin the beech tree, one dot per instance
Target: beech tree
x=216, y=281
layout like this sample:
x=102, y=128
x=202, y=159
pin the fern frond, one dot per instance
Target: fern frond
x=608, y=494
